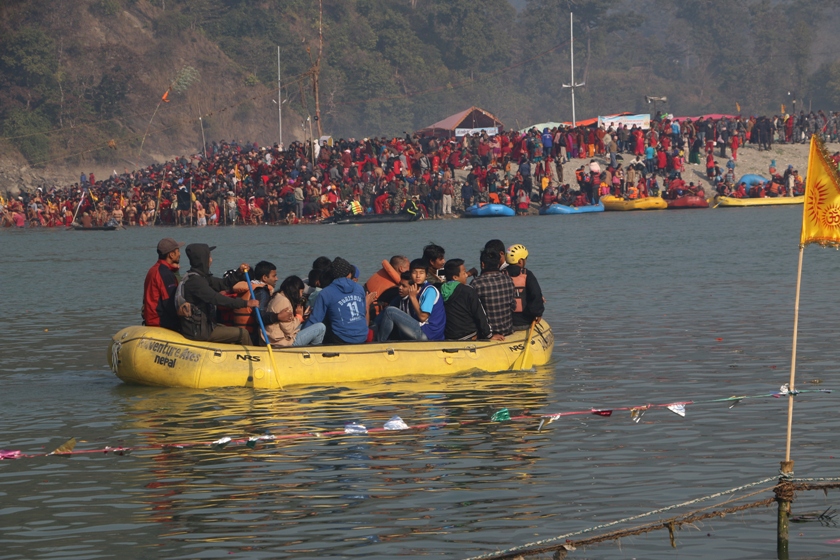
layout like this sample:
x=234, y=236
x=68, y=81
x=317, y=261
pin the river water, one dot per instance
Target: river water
x=649, y=307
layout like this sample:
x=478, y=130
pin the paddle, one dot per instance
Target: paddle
x=525, y=360
x=262, y=328
x=76, y=213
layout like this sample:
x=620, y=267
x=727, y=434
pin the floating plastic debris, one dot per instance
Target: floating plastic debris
x=221, y=443
x=502, y=415
x=637, y=413
x=65, y=447
x=253, y=440
x=118, y=450
x=10, y=454
x=395, y=423
x=353, y=428
x=602, y=412
x=678, y=409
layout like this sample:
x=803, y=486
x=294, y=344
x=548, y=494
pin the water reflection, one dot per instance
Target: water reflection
x=316, y=493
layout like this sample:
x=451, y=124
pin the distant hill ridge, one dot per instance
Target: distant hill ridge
x=80, y=80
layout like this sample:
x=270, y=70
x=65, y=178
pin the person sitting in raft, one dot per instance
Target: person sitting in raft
x=386, y=280
x=435, y=257
x=266, y=274
x=496, y=292
x=160, y=285
x=465, y=318
x=418, y=312
x=200, y=289
x=741, y=191
x=342, y=307
x=313, y=283
x=530, y=304
x=497, y=246
x=288, y=300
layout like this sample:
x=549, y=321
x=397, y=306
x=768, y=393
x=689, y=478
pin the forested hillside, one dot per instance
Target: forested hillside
x=83, y=80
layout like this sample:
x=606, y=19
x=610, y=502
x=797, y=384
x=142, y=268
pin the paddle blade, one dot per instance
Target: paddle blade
x=525, y=360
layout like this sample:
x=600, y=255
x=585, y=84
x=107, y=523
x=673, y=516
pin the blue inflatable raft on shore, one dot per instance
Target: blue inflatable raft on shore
x=563, y=209
x=488, y=211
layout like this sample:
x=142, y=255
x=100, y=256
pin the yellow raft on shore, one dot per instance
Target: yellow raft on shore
x=612, y=203
x=730, y=202
x=163, y=358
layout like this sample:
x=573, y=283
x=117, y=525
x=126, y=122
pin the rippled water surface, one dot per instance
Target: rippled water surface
x=647, y=308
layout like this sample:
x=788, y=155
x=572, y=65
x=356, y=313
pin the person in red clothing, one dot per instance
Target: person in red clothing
x=160, y=285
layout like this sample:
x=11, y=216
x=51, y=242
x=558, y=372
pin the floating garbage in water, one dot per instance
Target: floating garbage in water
x=826, y=518
x=637, y=413
x=65, y=447
x=353, y=428
x=502, y=415
x=395, y=423
x=221, y=443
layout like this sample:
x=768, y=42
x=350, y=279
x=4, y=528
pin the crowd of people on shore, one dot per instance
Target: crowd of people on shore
x=424, y=299
x=242, y=183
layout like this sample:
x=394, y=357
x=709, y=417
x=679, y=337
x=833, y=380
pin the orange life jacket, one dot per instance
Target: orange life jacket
x=244, y=317
x=519, y=290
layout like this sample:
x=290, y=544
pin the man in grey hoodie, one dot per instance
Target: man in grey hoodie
x=201, y=291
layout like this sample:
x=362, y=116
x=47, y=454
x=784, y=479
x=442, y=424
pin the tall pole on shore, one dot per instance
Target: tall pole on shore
x=572, y=84
x=572, y=50
x=279, y=101
x=203, y=138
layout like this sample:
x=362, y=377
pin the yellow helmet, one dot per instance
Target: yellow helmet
x=515, y=253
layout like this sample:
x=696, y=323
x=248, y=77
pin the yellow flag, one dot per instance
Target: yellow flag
x=738, y=106
x=821, y=212
x=783, y=109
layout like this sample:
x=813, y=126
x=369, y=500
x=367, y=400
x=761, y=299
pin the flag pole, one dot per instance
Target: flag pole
x=793, y=363
x=784, y=493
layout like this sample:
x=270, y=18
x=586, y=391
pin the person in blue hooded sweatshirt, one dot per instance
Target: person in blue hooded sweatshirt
x=342, y=307
x=547, y=142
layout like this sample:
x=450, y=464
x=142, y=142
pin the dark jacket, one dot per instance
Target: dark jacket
x=201, y=291
x=532, y=299
x=464, y=314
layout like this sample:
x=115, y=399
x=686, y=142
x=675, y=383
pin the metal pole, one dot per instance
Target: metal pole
x=572, y=45
x=279, y=100
x=203, y=140
x=189, y=192
x=311, y=143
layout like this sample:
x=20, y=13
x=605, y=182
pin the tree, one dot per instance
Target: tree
x=28, y=57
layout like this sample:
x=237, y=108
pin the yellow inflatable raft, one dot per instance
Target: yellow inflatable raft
x=729, y=202
x=612, y=203
x=160, y=357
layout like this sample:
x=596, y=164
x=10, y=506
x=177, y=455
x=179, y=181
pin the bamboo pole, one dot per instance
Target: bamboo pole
x=793, y=361
x=786, y=470
x=784, y=497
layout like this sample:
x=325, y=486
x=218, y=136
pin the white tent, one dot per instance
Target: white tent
x=541, y=126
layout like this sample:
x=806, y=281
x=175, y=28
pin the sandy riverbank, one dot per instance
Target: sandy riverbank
x=750, y=160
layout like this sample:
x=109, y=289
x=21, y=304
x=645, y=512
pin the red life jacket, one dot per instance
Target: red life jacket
x=519, y=290
x=244, y=317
